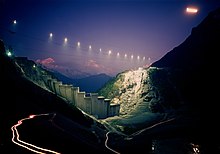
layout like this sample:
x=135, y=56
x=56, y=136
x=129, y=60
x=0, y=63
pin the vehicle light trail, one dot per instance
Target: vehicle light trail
x=15, y=138
x=152, y=126
x=106, y=141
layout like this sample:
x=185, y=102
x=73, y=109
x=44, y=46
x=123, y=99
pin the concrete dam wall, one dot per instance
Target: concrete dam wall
x=91, y=103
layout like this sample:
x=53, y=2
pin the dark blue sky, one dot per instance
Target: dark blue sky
x=144, y=28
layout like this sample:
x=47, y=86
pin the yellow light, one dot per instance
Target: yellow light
x=65, y=40
x=191, y=10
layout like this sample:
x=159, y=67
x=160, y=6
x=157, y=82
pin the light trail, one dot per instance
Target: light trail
x=106, y=142
x=159, y=123
x=136, y=133
x=15, y=138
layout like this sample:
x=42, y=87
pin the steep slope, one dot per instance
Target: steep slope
x=180, y=87
x=66, y=127
x=194, y=63
x=126, y=89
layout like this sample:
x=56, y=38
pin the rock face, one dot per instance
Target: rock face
x=181, y=84
x=184, y=75
x=128, y=89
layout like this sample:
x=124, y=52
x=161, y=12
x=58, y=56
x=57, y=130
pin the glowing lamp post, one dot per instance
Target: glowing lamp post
x=78, y=44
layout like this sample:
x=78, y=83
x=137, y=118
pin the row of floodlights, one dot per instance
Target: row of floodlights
x=100, y=50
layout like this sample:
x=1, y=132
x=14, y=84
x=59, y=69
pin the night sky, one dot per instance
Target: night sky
x=130, y=34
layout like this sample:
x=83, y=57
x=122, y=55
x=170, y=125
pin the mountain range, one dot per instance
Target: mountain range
x=89, y=84
x=169, y=107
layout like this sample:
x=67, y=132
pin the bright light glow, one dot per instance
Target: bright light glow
x=51, y=35
x=78, y=44
x=31, y=116
x=15, y=22
x=191, y=10
x=9, y=54
x=125, y=55
x=109, y=52
x=118, y=54
x=90, y=47
x=16, y=138
x=100, y=50
x=143, y=58
x=65, y=39
x=132, y=56
x=34, y=66
x=138, y=57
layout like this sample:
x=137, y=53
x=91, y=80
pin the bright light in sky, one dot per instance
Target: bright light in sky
x=65, y=40
x=146, y=21
x=191, y=10
x=109, y=52
x=132, y=56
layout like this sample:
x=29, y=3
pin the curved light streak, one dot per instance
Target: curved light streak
x=23, y=143
x=159, y=123
x=106, y=141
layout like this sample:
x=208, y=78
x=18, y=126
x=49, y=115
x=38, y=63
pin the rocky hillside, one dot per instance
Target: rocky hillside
x=181, y=86
x=177, y=78
x=127, y=89
x=23, y=93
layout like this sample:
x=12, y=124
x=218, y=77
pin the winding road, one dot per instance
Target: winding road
x=15, y=138
x=34, y=148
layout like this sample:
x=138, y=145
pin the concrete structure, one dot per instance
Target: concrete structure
x=91, y=103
